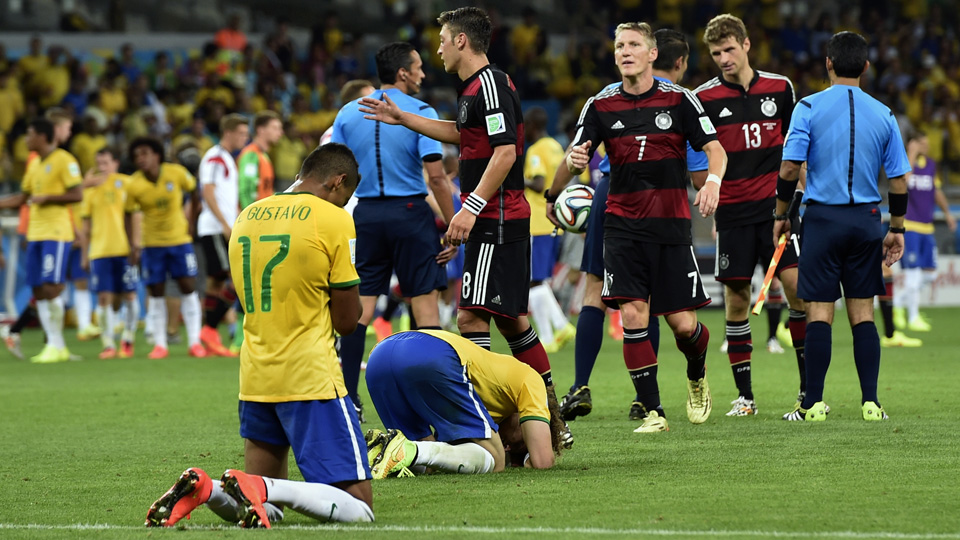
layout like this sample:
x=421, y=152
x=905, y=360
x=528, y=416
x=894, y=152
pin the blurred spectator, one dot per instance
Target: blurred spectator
x=283, y=45
x=113, y=100
x=231, y=37
x=287, y=156
x=53, y=80
x=77, y=98
x=11, y=101
x=32, y=63
x=128, y=65
x=85, y=145
x=160, y=75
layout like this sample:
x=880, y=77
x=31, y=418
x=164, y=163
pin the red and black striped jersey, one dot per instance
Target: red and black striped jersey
x=489, y=115
x=751, y=126
x=645, y=136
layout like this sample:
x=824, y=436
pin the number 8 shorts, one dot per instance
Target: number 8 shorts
x=665, y=275
x=496, y=278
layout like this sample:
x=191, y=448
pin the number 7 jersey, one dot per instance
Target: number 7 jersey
x=286, y=254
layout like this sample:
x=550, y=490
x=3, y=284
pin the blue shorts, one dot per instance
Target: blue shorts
x=592, y=262
x=840, y=246
x=324, y=435
x=416, y=382
x=47, y=262
x=113, y=275
x=920, y=251
x=544, y=251
x=397, y=235
x=179, y=261
x=75, y=270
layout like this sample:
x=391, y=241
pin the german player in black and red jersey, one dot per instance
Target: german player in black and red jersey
x=751, y=110
x=648, y=259
x=494, y=223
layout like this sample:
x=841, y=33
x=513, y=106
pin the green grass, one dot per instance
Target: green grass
x=95, y=442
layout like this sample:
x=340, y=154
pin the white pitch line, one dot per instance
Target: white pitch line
x=526, y=530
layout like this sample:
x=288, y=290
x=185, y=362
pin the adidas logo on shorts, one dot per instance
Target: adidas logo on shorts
x=617, y=125
x=495, y=300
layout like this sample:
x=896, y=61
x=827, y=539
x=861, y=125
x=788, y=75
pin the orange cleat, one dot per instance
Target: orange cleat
x=158, y=353
x=190, y=491
x=615, y=329
x=211, y=340
x=126, y=349
x=108, y=352
x=383, y=328
x=197, y=351
x=251, y=492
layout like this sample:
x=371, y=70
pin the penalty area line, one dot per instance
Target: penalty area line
x=524, y=530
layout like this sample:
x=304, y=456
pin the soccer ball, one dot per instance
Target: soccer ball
x=572, y=207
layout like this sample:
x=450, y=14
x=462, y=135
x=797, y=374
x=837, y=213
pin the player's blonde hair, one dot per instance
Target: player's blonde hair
x=642, y=28
x=724, y=26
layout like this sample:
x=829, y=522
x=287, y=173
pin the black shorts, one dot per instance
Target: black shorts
x=216, y=256
x=665, y=275
x=741, y=249
x=842, y=246
x=397, y=235
x=496, y=278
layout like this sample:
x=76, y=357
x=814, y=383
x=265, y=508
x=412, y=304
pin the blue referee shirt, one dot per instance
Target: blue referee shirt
x=845, y=136
x=390, y=157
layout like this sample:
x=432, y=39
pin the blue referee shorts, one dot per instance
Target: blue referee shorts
x=840, y=246
x=416, y=382
x=324, y=435
x=397, y=235
x=592, y=262
x=920, y=250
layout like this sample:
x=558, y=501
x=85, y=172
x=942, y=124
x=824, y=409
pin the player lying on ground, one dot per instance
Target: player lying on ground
x=456, y=406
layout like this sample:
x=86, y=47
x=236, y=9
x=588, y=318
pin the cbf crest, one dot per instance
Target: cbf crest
x=169, y=186
x=768, y=106
x=463, y=112
x=664, y=121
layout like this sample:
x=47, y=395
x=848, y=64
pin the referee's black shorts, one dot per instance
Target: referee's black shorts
x=840, y=246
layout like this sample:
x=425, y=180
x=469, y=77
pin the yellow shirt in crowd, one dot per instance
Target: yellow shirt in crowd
x=53, y=175
x=287, y=252
x=542, y=159
x=164, y=223
x=105, y=206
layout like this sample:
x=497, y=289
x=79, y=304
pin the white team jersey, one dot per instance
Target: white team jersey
x=220, y=169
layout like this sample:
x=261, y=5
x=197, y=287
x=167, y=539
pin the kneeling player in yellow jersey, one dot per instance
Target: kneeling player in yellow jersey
x=107, y=215
x=159, y=189
x=451, y=396
x=291, y=259
x=50, y=184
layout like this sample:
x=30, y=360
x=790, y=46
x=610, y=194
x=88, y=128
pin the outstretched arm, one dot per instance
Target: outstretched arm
x=386, y=111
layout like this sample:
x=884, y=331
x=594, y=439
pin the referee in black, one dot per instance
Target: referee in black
x=845, y=137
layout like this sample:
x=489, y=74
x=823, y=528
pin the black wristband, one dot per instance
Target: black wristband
x=785, y=189
x=550, y=198
x=898, y=204
x=898, y=230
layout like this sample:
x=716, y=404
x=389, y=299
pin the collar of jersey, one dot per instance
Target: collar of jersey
x=645, y=95
x=466, y=82
x=739, y=88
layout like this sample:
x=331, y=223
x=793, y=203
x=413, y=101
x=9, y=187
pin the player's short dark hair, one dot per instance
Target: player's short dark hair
x=42, y=126
x=232, y=121
x=848, y=52
x=331, y=159
x=150, y=142
x=472, y=21
x=351, y=90
x=114, y=153
x=263, y=118
x=671, y=46
x=725, y=26
x=391, y=58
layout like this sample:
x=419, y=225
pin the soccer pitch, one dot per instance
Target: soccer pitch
x=87, y=446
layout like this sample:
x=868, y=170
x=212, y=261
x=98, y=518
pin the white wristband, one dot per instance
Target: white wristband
x=474, y=204
x=713, y=178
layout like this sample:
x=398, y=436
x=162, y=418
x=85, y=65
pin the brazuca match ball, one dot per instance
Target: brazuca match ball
x=572, y=207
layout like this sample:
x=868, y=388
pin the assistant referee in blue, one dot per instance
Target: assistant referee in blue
x=396, y=229
x=845, y=137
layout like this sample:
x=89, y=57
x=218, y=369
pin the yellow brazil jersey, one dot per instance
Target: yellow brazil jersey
x=504, y=384
x=106, y=205
x=53, y=175
x=164, y=223
x=543, y=158
x=287, y=252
